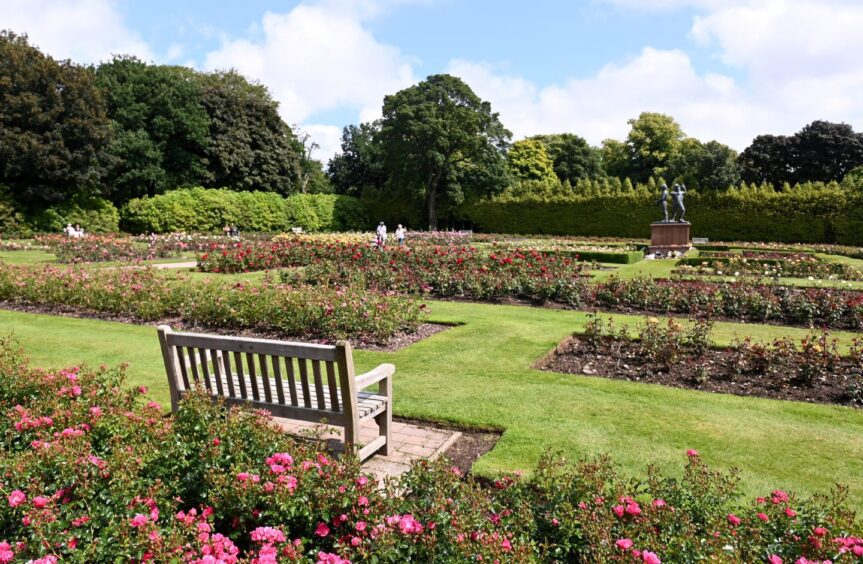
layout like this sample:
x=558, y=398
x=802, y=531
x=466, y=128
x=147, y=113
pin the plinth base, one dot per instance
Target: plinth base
x=666, y=237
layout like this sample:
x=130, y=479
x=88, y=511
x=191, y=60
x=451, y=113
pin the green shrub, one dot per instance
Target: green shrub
x=206, y=210
x=94, y=215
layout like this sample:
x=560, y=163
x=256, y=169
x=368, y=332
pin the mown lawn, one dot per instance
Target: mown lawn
x=478, y=374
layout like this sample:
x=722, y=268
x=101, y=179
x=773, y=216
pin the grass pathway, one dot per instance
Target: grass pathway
x=478, y=374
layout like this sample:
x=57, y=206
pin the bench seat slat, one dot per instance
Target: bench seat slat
x=367, y=402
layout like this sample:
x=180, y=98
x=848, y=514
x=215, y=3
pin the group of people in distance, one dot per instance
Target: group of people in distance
x=381, y=235
x=230, y=231
x=73, y=232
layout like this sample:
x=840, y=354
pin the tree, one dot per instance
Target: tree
x=528, y=160
x=824, y=151
x=54, y=132
x=440, y=139
x=654, y=140
x=162, y=127
x=249, y=146
x=767, y=159
x=709, y=166
x=572, y=157
x=359, y=167
x=615, y=159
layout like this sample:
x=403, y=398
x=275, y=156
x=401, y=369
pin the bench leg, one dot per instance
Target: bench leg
x=352, y=436
x=385, y=419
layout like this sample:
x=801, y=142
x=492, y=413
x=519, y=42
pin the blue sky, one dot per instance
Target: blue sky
x=725, y=69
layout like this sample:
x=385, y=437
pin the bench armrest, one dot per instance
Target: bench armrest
x=376, y=375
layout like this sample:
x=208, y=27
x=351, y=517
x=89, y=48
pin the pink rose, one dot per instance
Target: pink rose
x=322, y=530
x=763, y=517
x=139, y=520
x=40, y=502
x=658, y=503
x=790, y=512
x=650, y=558
x=733, y=519
x=691, y=452
x=773, y=559
x=618, y=510
x=623, y=544
x=16, y=498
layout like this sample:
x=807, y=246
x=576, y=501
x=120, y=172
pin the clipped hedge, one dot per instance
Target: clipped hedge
x=824, y=214
x=204, y=209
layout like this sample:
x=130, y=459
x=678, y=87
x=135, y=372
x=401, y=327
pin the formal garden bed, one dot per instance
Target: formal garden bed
x=145, y=295
x=769, y=264
x=210, y=484
x=680, y=355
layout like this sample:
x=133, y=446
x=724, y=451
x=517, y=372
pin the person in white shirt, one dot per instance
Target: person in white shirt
x=400, y=234
x=381, y=232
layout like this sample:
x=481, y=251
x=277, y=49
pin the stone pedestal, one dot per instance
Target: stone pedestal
x=669, y=236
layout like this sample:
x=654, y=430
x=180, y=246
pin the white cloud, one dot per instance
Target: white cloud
x=328, y=139
x=319, y=58
x=86, y=31
x=597, y=107
x=799, y=61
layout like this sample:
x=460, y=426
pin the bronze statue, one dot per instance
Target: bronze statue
x=677, y=201
x=663, y=201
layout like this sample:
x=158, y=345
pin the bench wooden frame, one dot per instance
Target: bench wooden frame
x=216, y=363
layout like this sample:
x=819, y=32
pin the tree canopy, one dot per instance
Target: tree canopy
x=440, y=139
x=573, y=159
x=54, y=132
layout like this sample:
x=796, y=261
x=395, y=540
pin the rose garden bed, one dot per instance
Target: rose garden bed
x=673, y=354
x=91, y=473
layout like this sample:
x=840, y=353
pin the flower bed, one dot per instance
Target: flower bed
x=797, y=265
x=90, y=473
x=147, y=295
x=458, y=272
x=441, y=271
x=680, y=355
x=749, y=301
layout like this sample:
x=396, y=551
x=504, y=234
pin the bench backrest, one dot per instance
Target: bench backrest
x=297, y=377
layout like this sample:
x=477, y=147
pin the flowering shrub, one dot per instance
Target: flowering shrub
x=90, y=473
x=827, y=307
x=92, y=248
x=147, y=294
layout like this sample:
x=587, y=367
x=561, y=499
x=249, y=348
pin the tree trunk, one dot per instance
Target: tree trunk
x=431, y=201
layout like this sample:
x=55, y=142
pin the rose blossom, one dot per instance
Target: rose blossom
x=623, y=544
x=16, y=498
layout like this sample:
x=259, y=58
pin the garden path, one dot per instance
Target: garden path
x=409, y=443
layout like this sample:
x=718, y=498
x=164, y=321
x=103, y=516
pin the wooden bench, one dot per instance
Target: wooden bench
x=291, y=380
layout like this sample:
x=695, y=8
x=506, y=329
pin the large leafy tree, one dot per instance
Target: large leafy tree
x=572, y=158
x=654, y=140
x=528, y=160
x=440, y=139
x=768, y=159
x=162, y=128
x=359, y=167
x=825, y=151
x=54, y=131
x=709, y=166
x=615, y=158
x=250, y=147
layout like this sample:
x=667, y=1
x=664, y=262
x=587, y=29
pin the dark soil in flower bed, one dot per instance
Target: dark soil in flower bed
x=395, y=343
x=711, y=372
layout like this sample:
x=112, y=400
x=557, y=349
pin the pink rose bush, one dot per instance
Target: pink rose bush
x=210, y=484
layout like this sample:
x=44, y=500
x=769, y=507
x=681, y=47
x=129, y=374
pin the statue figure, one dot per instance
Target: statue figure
x=677, y=199
x=663, y=201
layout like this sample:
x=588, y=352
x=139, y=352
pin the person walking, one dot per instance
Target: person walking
x=400, y=234
x=381, y=233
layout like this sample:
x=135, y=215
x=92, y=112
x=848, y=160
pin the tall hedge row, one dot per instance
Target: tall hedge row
x=826, y=214
x=202, y=210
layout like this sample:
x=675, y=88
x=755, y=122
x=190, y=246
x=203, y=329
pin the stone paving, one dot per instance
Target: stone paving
x=409, y=443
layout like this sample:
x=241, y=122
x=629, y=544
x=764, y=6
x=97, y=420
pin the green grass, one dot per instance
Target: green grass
x=27, y=257
x=478, y=374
